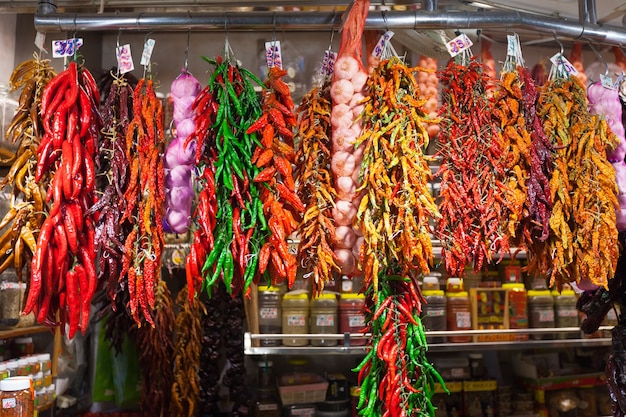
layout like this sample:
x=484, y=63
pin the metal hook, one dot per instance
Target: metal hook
x=74, y=22
x=560, y=44
x=415, y=19
x=332, y=36
x=384, y=15
x=600, y=58
x=187, y=50
x=137, y=22
x=117, y=42
x=145, y=38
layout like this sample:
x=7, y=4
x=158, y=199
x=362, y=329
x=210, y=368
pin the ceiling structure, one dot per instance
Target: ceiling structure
x=536, y=21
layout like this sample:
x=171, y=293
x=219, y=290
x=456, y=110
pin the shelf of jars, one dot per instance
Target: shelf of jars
x=546, y=338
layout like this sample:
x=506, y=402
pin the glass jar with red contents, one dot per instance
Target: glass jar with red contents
x=351, y=316
x=518, y=307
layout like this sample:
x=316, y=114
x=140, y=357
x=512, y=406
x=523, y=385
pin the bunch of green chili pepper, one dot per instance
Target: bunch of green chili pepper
x=231, y=225
x=395, y=376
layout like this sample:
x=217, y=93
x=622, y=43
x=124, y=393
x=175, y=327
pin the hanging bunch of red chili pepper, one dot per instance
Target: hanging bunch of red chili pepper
x=231, y=222
x=315, y=187
x=535, y=224
x=145, y=201
x=26, y=210
x=583, y=232
x=396, y=204
x=63, y=272
x=395, y=377
x=472, y=170
x=281, y=205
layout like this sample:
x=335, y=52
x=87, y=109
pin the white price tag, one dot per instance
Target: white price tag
x=124, y=59
x=273, y=54
x=459, y=44
x=147, y=51
x=563, y=64
x=40, y=41
x=66, y=47
x=511, y=45
x=382, y=42
x=607, y=82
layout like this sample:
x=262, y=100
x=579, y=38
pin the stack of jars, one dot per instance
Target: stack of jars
x=295, y=314
x=37, y=367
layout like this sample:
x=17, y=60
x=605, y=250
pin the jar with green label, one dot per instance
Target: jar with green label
x=295, y=313
x=324, y=318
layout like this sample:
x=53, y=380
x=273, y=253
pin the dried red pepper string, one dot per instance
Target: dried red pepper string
x=281, y=204
x=145, y=198
x=472, y=192
x=65, y=245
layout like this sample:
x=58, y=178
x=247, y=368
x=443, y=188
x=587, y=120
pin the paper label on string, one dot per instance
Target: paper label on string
x=607, y=82
x=147, y=52
x=510, y=45
x=459, y=44
x=328, y=63
x=124, y=59
x=382, y=42
x=563, y=64
x=273, y=54
x=40, y=41
x=66, y=47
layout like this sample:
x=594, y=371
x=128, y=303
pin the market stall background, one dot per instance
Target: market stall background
x=173, y=44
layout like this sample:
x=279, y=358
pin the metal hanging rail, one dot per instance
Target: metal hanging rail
x=317, y=21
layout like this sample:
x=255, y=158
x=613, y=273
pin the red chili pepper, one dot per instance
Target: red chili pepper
x=73, y=302
x=265, y=175
x=258, y=124
x=43, y=241
x=264, y=257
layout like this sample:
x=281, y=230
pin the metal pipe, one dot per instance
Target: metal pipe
x=429, y=5
x=46, y=6
x=587, y=11
x=318, y=21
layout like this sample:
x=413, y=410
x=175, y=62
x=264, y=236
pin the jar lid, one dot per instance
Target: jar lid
x=539, y=293
x=475, y=356
x=327, y=296
x=32, y=358
x=454, y=284
x=24, y=340
x=52, y=387
x=12, y=365
x=352, y=296
x=513, y=286
x=22, y=362
x=265, y=288
x=431, y=280
x=265, y=364
x=569, y=293
x=296, y=296
x=15, y=384
x=39, y=375
x=432, y=292
x=43, y=356
x=457, y=294
x=3, y=366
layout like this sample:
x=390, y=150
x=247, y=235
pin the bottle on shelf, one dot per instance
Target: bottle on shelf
x=323, y=318
x=295, y=314
x=540, y=312
x=434, y=310
x=565, y=312
x=270, y=314
x=518, y=307
x=458, y=310
x=351, y=316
